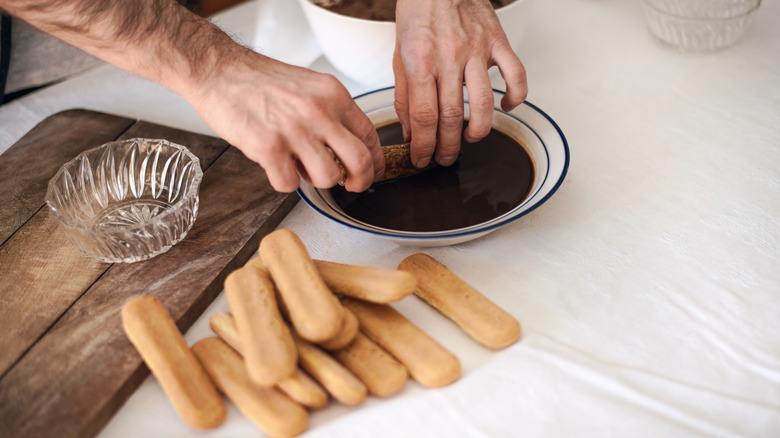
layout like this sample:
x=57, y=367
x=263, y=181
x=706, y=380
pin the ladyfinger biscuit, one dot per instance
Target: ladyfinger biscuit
x=369, y=284
x=273, y=412
x=305, y=390
x=382, y=374
x=154, y=334
x=427, y=361
x=299, y=386
x=337, y=380
x=482, y=319
x=224, y=325
x=314, y=310
x=347, y=333
x=268, y=347
x=398, y=162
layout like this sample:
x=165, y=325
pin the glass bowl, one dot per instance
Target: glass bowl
x=529, y=126
x=699, y=25
x=127, y=200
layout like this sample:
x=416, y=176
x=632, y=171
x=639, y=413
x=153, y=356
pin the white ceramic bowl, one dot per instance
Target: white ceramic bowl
x=528, y=125
x=362, y=49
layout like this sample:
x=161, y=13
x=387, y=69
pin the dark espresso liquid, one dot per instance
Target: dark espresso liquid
x=490, y=178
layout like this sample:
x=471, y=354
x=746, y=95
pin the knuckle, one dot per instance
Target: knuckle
x=283, y=181
x=425, y=116
x=401, y=106
x=329, y=179
x=451, y=116
x=417, y=58
x=481, y=100
x=328, y=82
x=268, y=152
x=286, y=185
x=364, y=159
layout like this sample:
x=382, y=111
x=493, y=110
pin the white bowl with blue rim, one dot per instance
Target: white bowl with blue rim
x=528, y=125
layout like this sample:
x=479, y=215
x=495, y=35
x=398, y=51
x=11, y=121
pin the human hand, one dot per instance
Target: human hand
x=441, y=44
x=286, y=118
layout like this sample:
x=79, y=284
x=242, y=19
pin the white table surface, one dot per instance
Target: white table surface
x=648, y=287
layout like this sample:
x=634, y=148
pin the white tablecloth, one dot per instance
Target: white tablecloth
x=648, y=287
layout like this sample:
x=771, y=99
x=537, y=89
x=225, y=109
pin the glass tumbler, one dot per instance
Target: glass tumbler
x=699, y=25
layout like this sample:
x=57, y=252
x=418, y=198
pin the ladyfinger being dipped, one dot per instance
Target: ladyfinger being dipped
x=427, y=361
x=154, y=334
x=299, y=386
x=382, y=374
x=314, y=310
x=273, y=412
x=482, y=319
x=268, y=347
x=366, y=283
x=337, y=380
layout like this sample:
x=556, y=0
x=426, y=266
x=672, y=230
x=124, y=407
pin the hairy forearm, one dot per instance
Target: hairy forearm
x=156, y=39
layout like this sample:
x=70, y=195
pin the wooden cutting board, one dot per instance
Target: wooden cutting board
x=65, y=364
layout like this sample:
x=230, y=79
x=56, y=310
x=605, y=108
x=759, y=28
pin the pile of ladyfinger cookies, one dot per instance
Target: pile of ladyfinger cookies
x=303, y=331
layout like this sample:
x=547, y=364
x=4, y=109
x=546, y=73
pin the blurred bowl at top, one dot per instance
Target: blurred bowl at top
x=362, y=49
x=699, y=25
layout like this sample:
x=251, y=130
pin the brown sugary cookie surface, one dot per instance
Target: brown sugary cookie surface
x=382, y=374
x=398, y=162
x=154, y=334
x=268, y=347
x=270, y=409
x=366, y=283
x=482, y=319
x=315, y=312
x=427, y=360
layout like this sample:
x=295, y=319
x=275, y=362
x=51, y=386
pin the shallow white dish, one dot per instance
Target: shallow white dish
x=543, y=139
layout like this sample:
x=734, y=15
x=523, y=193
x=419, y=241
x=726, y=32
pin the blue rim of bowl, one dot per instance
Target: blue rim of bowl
x=412, y=236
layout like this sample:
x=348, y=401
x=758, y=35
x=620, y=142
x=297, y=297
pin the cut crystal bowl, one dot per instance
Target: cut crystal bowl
x=127, y=200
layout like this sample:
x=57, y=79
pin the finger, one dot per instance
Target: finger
x=513, y=72
x=282, y=171
x=316, y=165
x=303, y=173
x=480, y=101
x=361, y=127
x=353, y=155
x=401, y=102
x=450, y=116
x=423, y=116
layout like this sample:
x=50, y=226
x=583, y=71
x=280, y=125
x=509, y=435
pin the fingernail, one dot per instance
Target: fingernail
x=448, y=160
x=422, y=162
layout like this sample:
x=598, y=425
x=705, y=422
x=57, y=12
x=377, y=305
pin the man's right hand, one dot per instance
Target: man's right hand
x=286, y=118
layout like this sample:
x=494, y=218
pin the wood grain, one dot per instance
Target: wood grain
x=53, y=274
x=82, y=369
x=28, y=165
